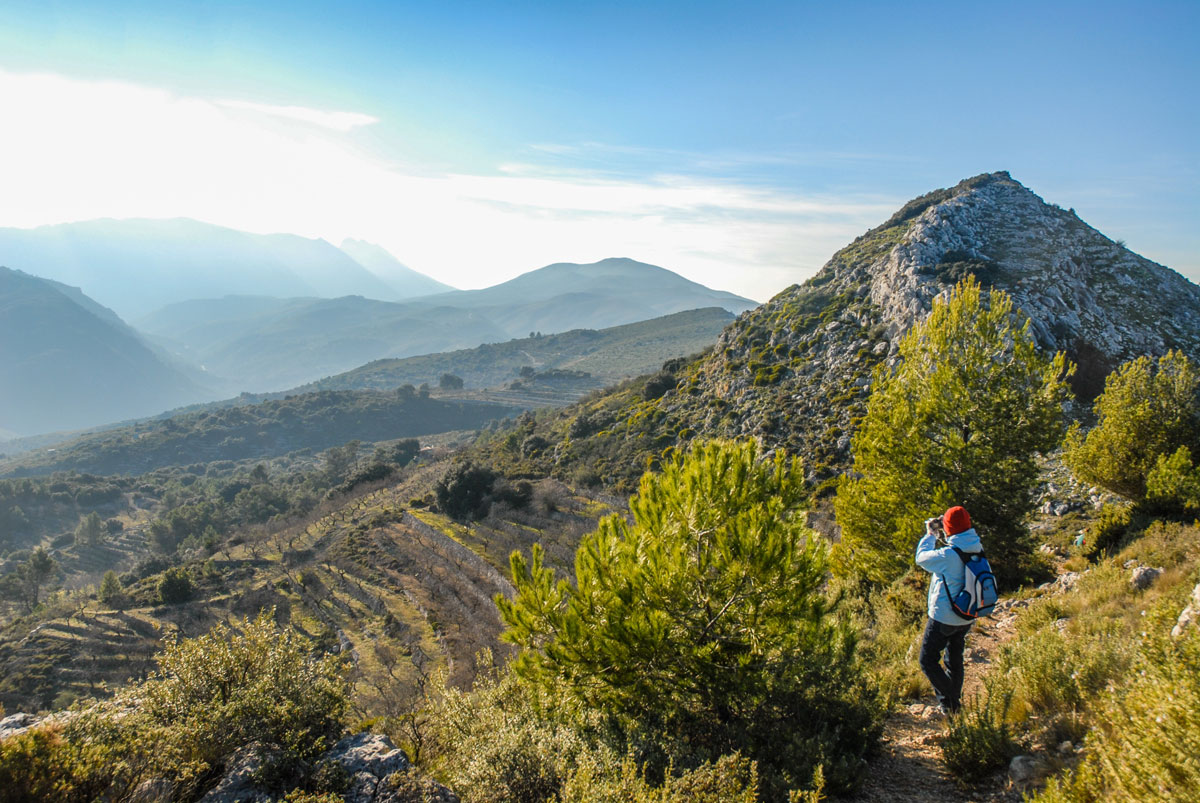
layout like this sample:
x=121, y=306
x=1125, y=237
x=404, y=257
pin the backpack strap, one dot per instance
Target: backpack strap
x=966, y=557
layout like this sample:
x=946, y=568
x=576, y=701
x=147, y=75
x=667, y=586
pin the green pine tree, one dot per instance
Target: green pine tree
x=1147, y=410
x=704, y=623
x=959, y=421
x=90, y=531
x=112, y=593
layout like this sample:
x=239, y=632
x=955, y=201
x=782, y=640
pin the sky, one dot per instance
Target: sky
x=739, y=144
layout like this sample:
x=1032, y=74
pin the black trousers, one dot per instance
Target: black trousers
x=942, y=640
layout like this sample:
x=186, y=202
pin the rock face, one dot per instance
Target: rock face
x=1084, y=293
x=367, y=759
x=797, y=370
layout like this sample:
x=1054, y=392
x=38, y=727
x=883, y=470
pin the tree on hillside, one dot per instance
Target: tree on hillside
x=90, y=531
x=340, y=461
x=112, y=593
x=450, y=382
x=704, y=624
x=959, y=421
x=175, y=586
x=1148, y=410
x=35, y=572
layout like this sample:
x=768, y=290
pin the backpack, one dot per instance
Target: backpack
x=979, y=595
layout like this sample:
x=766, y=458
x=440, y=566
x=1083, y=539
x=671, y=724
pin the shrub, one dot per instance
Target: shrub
x=978, y=741
x=112, y=593
x=1173, y=485
x=463, y=491
x=1147, y=409
x=223, y=690
x=729, y=779
x=175, y=586
x=703, y=628
x=1148, y=734
x=495, y=744
x=1110, y=528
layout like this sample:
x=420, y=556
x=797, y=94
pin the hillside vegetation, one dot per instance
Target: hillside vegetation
x=607, y=355
x=312, y=421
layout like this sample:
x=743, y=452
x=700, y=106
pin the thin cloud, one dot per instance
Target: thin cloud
x=336, y=121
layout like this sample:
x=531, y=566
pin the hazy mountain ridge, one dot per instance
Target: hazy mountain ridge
x=796, y=372
x=135, y=266
x=67, y=362
x=266, y=345
x=403, y=279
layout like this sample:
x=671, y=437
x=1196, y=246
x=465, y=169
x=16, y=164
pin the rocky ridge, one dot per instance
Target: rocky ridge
x=796, y=371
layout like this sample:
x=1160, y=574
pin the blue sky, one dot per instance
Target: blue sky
x=738, y=143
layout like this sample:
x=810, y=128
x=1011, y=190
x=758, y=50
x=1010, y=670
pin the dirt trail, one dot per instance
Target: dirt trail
x=909, y=766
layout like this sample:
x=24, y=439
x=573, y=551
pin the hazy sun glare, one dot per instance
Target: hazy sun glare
x=75, y=150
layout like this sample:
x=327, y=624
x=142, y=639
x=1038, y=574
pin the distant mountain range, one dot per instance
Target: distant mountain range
x=70, y=362
x=268, y=344
x=67, y=362
x=136, y=266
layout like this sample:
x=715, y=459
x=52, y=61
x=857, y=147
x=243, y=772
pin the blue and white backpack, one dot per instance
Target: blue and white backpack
x=979, y=595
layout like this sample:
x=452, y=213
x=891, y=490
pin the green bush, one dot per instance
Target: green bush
x=703, y=628
x=978, y=741
x=1109, y=529
x=730, y=779
x=464, y=491
x=1173, y=485
x=1147, y=409
x=175, y=586
x=211, y=696
x=40, y=765
x=497, y=744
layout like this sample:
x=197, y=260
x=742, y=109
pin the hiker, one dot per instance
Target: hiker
x=946, y=631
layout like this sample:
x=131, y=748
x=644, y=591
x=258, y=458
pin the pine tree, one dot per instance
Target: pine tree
x=704, y=623
x=90, y=531
x=112, y=593
x=1147, y=410
x=959, y=421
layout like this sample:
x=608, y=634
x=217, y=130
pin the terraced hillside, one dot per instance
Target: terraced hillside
x=398, y=589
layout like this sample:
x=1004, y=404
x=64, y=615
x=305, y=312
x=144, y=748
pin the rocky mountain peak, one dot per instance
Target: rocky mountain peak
x=797, y=370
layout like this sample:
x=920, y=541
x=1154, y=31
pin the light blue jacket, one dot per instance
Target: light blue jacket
x=945, y=563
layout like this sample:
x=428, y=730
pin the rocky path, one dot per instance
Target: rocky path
x=909, y=766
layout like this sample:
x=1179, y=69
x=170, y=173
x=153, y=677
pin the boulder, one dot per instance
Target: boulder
x=1189, y=618
x=1143, y=577
x=1023, y=769
x=366, y=758
x=14, y=724
x=238, y=784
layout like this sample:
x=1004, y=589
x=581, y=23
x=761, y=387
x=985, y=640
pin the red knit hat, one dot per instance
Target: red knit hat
x=956, y=520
